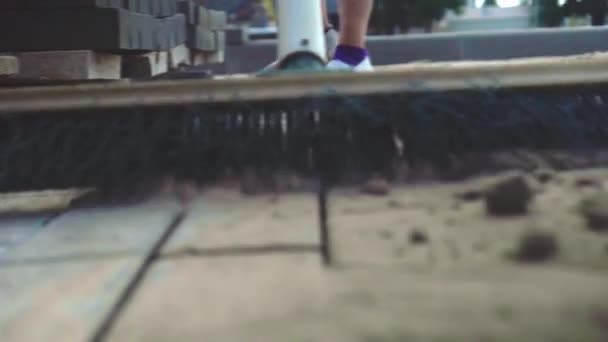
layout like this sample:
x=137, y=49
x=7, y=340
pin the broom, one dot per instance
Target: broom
x=332, y=126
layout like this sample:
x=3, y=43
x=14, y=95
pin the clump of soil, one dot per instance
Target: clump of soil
x=537, y=247
x=595, y=211
x=508, y=197
x=376, y=186
x=418, y=237
x=587, y=183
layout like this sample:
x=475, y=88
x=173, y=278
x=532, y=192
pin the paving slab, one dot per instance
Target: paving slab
x=60, y=283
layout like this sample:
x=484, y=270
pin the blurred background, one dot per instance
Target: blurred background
x=393, y=17
x=403, y=31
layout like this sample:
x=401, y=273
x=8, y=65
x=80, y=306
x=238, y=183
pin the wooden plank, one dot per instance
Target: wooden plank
x=410, y=78
x=70, y=65
x=145, y=65
x=62, y=283
x=9, y=65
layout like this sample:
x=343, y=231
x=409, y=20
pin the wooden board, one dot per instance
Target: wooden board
x=70, y=65
x=61, y=283
x=410, y=78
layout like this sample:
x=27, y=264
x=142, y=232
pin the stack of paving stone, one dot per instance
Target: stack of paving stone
x=206, y=31
x=96, y=39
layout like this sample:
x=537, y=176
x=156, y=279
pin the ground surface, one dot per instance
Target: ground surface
x=423, y=263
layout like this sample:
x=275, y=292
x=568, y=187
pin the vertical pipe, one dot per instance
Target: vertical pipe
x=300, y=28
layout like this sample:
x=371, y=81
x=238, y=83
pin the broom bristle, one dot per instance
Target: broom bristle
x=343, y=137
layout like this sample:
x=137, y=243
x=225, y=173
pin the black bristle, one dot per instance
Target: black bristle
x=201, y=142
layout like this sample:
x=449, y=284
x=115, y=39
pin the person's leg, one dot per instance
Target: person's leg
x=351, y=53
x=354, y=16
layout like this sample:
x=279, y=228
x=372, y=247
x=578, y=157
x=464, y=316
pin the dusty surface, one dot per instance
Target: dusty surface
x=423, y=263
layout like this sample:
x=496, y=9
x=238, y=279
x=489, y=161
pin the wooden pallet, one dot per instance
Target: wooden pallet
x=159, y=8
x=109, y=39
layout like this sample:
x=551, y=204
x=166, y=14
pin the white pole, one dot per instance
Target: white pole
x=300, y=28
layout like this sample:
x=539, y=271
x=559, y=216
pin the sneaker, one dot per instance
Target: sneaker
x=338, y=65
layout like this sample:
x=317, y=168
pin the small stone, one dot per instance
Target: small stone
x=595, y=211
x=418, y=237
x=469, y=195
x=376, y=187
x=509, y=197
x=544, y=175
x=537, y=247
